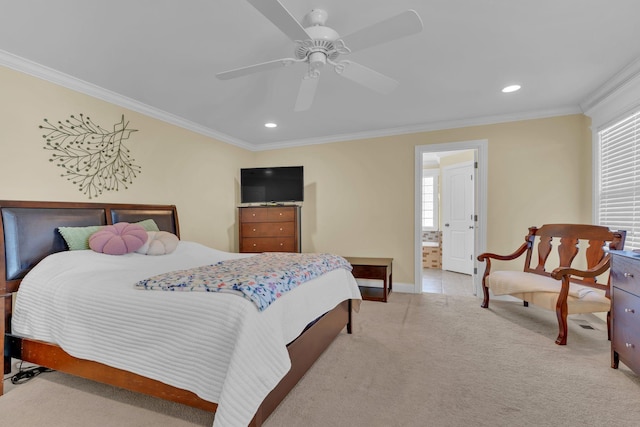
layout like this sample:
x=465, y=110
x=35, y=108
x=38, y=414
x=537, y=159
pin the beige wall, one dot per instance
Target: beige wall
x=359, y=195
x=179, y=167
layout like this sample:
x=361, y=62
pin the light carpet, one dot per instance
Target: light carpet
x=418, y=360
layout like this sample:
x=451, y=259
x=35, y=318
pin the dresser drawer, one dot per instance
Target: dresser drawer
x=628, y=349
x=268, y=229
x=625, y=274
x=626, y=310
x=281, y=214
x=253, y=214
x=268, y=244
x=625, y=338
x=271, y=214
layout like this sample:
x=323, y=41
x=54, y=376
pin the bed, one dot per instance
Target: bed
x=121, y=352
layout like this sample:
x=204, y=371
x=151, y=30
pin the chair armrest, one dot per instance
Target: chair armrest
x=487, y=255
x=592, y=272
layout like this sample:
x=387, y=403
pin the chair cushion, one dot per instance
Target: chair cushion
x=542, y=291
x=510, y=282
x=593, y=302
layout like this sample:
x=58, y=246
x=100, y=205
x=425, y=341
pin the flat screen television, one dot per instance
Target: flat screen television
x=283, y=184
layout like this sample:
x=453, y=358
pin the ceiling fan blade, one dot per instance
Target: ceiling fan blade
x=275, y=12
x=404, y=24
x=367, y=77
x=306, y=93
x=264, y=66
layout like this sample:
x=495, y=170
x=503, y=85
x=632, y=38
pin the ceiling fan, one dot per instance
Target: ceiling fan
x=318, y=45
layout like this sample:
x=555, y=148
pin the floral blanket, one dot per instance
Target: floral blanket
x=261, y=278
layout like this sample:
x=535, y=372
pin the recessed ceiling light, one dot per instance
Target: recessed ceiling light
x=511, y=88
x=270, y=125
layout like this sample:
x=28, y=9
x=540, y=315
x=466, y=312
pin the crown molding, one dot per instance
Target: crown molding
x=429, y=127
x=49, y=74
x=617, y=97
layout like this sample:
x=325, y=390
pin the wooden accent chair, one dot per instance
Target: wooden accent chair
x=565, y=289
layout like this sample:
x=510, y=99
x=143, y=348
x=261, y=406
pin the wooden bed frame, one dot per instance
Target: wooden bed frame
x=29, y=233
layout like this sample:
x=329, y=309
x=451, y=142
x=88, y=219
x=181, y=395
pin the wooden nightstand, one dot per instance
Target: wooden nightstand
x=377, y=269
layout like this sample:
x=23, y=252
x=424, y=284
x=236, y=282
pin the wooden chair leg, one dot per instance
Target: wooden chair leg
x=485, y=292
x=562, y=327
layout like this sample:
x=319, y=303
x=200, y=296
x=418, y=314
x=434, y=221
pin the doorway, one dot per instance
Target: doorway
x=464, y=210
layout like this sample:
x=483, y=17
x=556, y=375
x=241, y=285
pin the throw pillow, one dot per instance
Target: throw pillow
x=118, y=239
x=77, y=238
x=159, y=243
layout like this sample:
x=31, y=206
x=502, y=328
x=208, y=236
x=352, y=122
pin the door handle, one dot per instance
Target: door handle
x=446, y=225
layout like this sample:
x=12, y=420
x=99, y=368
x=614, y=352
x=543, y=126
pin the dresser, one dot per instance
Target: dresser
x=269, y=229
x=625, y=309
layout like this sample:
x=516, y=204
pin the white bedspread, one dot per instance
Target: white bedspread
x=217, y=345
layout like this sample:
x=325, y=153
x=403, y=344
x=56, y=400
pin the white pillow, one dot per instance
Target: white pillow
x=159, y=243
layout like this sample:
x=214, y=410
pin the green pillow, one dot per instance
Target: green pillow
x=148, y=225
x=77, y=238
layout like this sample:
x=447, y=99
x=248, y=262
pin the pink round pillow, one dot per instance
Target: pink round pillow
x=118, y=239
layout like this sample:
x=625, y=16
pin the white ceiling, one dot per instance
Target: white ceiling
x=161, y=57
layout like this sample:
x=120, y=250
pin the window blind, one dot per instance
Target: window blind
x=619, y=183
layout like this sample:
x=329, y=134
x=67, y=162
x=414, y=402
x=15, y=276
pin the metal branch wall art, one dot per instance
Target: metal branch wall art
x=93, y=158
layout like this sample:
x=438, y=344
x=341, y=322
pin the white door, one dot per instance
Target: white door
x=458, y=218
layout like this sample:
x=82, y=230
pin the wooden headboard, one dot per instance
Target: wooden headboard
x=29, y=230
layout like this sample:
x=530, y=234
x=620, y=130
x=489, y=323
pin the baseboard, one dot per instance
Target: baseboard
x=405, y=288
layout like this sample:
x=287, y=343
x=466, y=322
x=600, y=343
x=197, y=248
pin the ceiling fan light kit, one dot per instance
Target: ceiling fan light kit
x=318, y=45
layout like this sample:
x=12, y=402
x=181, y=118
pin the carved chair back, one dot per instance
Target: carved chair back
x=567, y=238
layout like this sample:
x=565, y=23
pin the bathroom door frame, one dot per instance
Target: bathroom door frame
x=481, y=148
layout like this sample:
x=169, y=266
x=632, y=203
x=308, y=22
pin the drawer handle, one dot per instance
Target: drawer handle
x=280, y=213
x=628, y=274
x=281, y=244
x=254, y=229
x=254, y=245
x=628, y=345
x=629, y=310
x=253, y=214
x=280, y=228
